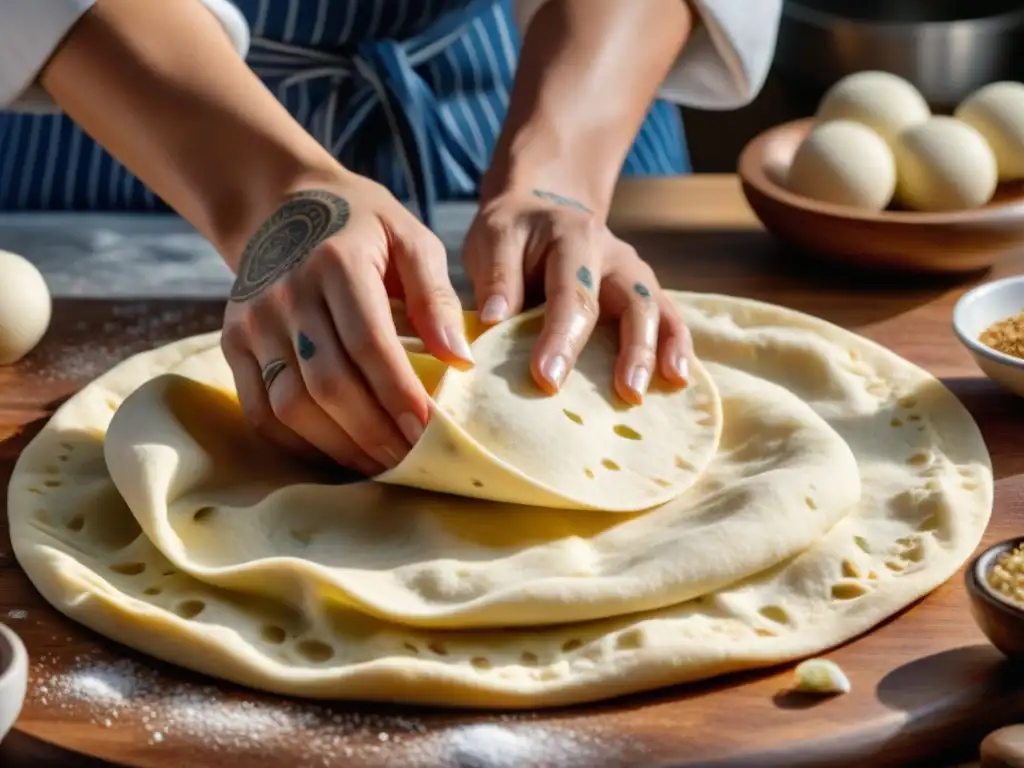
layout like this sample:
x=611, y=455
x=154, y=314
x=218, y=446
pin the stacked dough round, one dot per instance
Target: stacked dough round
x=876, y=143
x=531, y=551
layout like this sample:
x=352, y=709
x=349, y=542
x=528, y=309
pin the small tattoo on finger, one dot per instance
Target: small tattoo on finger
x=585, y=277
x=305, y=346
x=641, y=290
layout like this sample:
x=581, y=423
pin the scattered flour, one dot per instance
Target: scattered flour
x=128, y=696
x=93, y=347
x=17, y=614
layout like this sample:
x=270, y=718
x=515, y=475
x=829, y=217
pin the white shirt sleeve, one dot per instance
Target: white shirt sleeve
x=725, y=62
x=31, y=30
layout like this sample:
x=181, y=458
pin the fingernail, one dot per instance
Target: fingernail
x=639, y=378
x=683, y=366
x=457, y=343
x=411, y=427
x=554, y=369
x=495, y=310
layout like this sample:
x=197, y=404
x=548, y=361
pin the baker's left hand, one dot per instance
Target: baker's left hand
x=522, y=241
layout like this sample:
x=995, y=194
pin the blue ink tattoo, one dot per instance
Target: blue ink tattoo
x=641, y=290
x=306, y=347
x=585, y=278
x=557, y=199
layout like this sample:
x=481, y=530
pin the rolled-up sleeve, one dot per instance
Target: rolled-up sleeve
x=725, y=62
x=31, y=30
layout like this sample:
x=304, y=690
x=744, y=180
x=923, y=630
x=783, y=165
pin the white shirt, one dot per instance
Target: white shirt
x=31, y=30
x=723, y=66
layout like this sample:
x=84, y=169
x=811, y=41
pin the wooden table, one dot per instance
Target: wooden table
x=699, y=235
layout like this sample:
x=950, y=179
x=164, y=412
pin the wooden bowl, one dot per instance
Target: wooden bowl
x=1000, y=620
x=13, y=678
x=955, y=242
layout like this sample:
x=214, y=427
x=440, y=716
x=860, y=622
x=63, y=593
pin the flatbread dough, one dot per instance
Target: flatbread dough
x=232, y=511
x=925, y=494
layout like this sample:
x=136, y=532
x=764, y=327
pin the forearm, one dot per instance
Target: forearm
x=160, y=86
x=588, y=72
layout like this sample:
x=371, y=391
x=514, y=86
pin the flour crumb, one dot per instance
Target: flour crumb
x=134, y=700
x=17, y=614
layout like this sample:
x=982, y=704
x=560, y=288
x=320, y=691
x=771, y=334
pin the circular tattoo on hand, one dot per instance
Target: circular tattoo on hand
x=287, y=238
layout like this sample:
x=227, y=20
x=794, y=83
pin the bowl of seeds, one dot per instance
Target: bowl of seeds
x=995, y=585
x=989, y=321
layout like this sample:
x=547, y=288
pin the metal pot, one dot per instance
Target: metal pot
x=947, y=48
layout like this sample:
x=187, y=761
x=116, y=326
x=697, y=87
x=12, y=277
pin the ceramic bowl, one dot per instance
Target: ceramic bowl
x=1000, y=620
x=977, y=310
x=13, y=678
x=937, y=243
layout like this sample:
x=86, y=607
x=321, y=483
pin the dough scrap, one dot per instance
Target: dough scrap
x=925, y=498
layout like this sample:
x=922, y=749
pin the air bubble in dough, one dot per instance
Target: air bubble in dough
x=845, y=163
x=25, y=307
x=882, y=101
x=944, y=165
x=997, y=113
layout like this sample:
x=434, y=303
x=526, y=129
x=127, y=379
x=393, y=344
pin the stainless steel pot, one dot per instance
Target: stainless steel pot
x=947, y=48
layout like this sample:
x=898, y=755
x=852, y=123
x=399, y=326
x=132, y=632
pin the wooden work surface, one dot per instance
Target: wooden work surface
x=926, y=686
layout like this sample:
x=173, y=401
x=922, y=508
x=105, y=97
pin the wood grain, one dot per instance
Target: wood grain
x=926, y=685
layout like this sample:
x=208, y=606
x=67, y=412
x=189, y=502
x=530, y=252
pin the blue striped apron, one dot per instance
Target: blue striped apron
x=411, y=93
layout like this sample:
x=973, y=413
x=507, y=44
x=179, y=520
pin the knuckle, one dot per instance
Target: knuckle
x=369, y=345
x=288, y=404
x=258, y=412
x=584, y=301
x=234, y=339
x=325, y=389
x=436, y=297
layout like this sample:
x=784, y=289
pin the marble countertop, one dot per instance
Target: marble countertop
x=147, y=256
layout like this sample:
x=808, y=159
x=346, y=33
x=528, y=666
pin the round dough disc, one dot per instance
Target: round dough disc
x=925, y=498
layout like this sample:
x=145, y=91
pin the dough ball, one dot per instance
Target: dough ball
x=25, y=307
x=997, y=113
x=845, y=163
x=944, y=165
x=882, y=101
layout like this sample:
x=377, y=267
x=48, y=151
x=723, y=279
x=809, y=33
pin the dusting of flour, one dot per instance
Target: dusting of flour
x=126, y=695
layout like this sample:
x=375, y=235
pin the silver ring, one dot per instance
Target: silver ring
x=271, y=371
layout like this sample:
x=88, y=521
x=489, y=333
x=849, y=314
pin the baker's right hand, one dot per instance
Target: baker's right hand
x=309, y=333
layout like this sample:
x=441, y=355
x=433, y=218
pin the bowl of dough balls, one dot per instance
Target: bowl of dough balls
x=876, y=180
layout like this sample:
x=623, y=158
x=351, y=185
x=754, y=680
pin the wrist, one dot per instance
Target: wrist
x=569, y=161
x=234, y=217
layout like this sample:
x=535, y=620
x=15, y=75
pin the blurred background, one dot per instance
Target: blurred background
x=947, y=48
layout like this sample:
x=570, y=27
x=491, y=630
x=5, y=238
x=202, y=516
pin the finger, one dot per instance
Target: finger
x=292, y=405
x=430, y=300
x=638, y=333
x=337, y=386
x=495, y=256
x=675, y=344
x=571, y=284
x=252, y=396
x=362, y=318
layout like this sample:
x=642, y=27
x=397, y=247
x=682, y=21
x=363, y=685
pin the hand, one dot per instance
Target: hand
x=309, y=332
x=523, y=240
